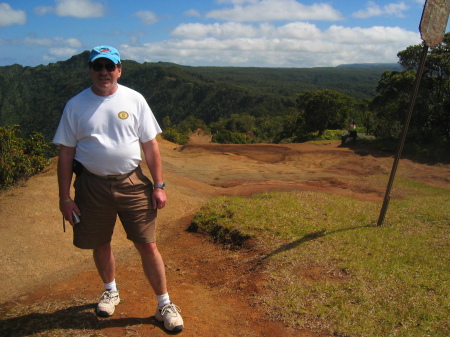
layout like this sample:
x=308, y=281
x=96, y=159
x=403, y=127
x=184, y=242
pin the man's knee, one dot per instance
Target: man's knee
x=146, y=248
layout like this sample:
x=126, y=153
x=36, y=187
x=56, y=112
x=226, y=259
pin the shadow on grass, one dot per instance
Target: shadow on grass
x=308, y=237
x=81, y=317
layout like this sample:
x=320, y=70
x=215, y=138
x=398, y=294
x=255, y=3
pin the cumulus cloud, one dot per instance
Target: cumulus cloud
x=372, y=9
x=62, y=52
x=10, y=16
x=147, y=18
x=192, y=12
x=81, y=9
x=56, y=42
x=271, y=10
x=296, y=44
x=42, y=10
x=225, y=30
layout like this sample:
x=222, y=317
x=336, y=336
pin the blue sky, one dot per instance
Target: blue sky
x=260, y=33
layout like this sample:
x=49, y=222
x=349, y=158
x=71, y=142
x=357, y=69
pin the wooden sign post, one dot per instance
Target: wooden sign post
x=432, y=29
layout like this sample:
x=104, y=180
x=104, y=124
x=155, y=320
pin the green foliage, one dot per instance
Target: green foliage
x=327, y=135
x=325, y=109
x=355, y=81
x=21, y=158
x=317, y=112
x=180, y=133
x=173, y=135
x=246, y=129
x=430, y=122
x=228, y=137
x=34, y=97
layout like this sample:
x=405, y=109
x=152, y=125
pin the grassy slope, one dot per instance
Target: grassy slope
x=332, y=269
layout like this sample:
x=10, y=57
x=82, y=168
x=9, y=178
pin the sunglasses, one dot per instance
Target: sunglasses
x=99, y=66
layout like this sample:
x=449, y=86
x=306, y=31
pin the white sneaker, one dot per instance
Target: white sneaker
x=169, y=314
x=107, y=304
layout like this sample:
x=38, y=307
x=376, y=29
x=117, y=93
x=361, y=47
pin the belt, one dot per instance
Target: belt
x=114, y=177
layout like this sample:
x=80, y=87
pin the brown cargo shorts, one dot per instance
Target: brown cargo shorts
x=100, y=200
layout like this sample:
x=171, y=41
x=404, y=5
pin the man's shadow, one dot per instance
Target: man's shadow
x=80, y=317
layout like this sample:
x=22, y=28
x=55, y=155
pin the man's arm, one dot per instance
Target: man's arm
x=65, y=164
x=154, y=163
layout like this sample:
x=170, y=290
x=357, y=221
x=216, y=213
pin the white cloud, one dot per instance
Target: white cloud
x=396, y=9
x=372, y=9
x=226, y=30
x=193, y=13
x=147, y=18
x=296, y=44
x=62, y=52
x=10, y=16
x=81, y=9
x=56, y=42
x=237, y=2
x=271, y=10
x=46, y=49
x=42, y=10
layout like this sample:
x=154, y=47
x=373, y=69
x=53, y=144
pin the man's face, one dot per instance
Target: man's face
x=104, y=74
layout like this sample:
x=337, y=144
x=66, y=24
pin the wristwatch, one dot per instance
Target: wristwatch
x=161, y=186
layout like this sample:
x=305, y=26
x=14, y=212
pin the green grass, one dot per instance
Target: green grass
x=330, y=268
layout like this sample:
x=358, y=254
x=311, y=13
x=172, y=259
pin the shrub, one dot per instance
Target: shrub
x=20, y=158
x=172, y=135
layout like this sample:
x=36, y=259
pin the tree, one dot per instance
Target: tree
x=325, y=109
x=430, y=122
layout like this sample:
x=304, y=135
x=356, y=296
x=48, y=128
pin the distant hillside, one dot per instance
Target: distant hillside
x=356, y=81
x=34, y=97
x=387, y=66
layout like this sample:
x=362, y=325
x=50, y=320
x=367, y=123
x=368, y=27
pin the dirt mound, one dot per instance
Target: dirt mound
x=45, y=278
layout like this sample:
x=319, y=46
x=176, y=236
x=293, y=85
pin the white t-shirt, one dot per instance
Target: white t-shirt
x=107, y=131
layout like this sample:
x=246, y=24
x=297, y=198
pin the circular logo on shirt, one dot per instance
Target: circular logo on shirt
x=123, y=115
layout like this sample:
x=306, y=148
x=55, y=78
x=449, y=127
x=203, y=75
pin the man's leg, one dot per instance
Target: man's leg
x=106, y=267
x=154, y=270
x=105, y=262
x=153, y=266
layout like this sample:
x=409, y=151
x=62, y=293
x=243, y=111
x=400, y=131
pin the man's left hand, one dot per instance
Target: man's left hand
x=159, y=198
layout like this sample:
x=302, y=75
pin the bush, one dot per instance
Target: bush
x=172, y=135
x=20, y=158
x=228, y=137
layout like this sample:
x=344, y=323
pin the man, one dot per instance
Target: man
x=100, y=135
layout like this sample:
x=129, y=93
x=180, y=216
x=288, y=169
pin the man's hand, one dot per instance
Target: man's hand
x=159, y=198
x=67, y=207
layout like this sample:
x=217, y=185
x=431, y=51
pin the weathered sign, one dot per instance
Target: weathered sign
x=434, y=21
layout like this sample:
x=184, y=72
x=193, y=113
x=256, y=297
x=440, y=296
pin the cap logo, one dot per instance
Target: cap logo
x=123, y=115
x=105, y=50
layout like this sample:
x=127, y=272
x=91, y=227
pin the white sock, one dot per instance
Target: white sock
x=111, y=286
x=163, y=300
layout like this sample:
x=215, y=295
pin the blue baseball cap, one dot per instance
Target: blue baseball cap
x=108, y=52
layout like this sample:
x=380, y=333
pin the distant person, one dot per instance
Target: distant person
x=352, y=130
x=100, y=135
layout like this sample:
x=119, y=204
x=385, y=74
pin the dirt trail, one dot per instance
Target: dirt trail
x=40, y=267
